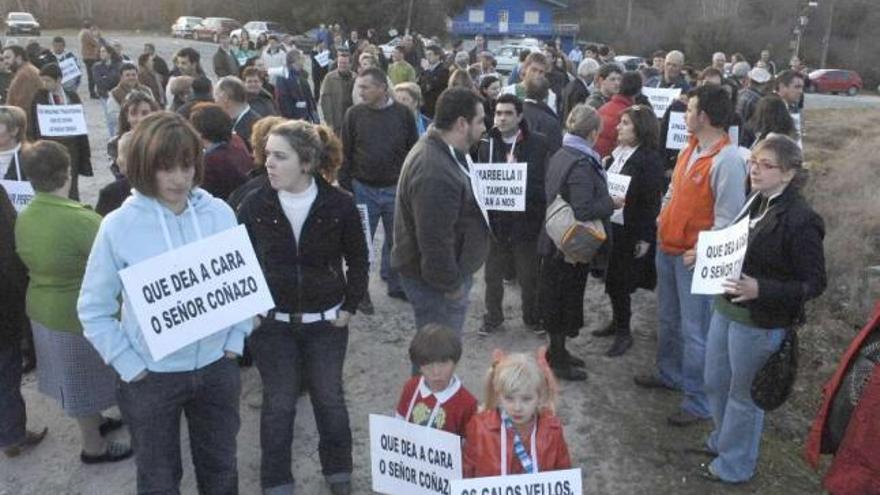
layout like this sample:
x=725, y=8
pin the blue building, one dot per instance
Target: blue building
x=511, y=18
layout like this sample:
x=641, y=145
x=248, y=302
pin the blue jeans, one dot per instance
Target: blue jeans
x=734, y=354
x=288, y=356
x=209, y=398
x=12, y=411
x=433, y=306
x=380, y=203
x=111, y=122
x=681, y=338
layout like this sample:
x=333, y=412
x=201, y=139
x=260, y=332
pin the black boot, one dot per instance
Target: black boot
x=622, y=342
x=609, y=330
x=366, y=305
x=559, y=359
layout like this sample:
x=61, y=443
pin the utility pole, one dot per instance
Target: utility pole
x=409, y=17
x=826, y=40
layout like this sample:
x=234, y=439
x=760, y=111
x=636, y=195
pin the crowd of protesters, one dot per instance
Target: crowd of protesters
x=289, y=141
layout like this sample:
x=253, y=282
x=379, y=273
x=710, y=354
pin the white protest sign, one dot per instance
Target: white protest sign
x=720, y=255
x=408, y=459
x=661, y=98
x=677, y=134
x=501, y=186
x=189, y=293
x=368, y=233
x=618, y=185
x=323, y=58
x=20, y=192
x=61, y=120
x=69, y=70
x=567, y=482
x=733, y=132
x=798, y=125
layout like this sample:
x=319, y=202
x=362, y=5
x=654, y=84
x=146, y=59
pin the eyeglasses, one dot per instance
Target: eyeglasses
x=763, y=164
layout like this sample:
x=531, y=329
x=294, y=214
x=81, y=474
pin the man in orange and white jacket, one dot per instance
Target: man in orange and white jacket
x=707, y=191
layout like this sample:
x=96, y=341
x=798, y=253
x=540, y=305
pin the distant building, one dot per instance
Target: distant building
x=511, y=18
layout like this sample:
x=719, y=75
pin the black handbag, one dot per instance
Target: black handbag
x=774, y=382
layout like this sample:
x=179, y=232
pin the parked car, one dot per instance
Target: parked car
x=184, y=25
x=212, y=27
x=256, y=28
x=507, y=56
x=307, y=40
x=21, y=23
x=629, y=62
x=835, y=81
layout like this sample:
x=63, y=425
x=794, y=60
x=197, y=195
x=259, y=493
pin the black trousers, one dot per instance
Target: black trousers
x=524, y=257
x=562, y=295
x=621, y=310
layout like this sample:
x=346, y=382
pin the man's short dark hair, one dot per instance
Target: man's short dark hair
x=604, y=50
x=658, y=54
x=715, y=102
x=250, y=72
x=46, y=164
x=786, y=77
x=608, y=69
x=127, y=66
x=273, y=37
x=376, y=75
x=537, y=58
x=201, y=86
x=711, y=72
x=592, y=48
x=454, y=103
x=51, y=70
x=524, y=54
x=537, y=88
x=511, y=99
x=189, y=53
x=17, y=51
x=58, y=39
x=434, y=343
x=233, y=88
x=631, y=83
x=211, y=122
x=436, y=50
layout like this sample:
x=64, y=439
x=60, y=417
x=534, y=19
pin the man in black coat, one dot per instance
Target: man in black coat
x=578, y=89
x=539, y=116
x=433, y=80
x=225, y=64
x=515, y=234
x=230, y=94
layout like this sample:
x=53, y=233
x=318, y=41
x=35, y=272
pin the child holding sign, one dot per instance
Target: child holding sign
x=517, y=432
x=436, y=398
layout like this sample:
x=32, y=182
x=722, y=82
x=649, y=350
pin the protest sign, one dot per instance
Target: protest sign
x=323, y=58
x=20, y=192
x=720, y=255
x=61, y=120
x=733, y=132
x=501, y=186
x=798, y=125
x=567, y=482
x=408, y=459
x=661, y=98
x=618, y=185
x=189, y=293
x=677, y=134
x=368, y=233
x=69, y=70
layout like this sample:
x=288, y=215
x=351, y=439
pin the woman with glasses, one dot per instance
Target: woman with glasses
x=784, y=267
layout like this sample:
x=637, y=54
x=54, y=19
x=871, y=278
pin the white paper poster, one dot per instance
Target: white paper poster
x=501, y=186
x=184, y=295
x=20, y=193
x=69, y=70
x=677, y=134
x=323, y=58
x=408, y=459
x=720, y=255
x=567, y=482
x=618, y=185
x=61, y=120
x=661, y=98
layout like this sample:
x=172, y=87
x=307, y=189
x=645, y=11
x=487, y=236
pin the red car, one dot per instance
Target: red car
x=835, y=81
x=212, y=27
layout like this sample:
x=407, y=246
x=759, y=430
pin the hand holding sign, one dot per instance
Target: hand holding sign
x=720, y=255
x=618, y=185
x=745, y=288
x=61, y=120
x=661, y=98
x=501, y=186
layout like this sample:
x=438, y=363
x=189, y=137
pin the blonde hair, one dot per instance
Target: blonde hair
x=316, y=145
x=14, y=118
x=260, y=134
x=520, y=371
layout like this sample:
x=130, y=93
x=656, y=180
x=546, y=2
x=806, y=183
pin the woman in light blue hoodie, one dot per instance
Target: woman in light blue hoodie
x=201, y=380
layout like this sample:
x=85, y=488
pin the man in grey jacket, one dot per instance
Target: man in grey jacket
x=441, y=234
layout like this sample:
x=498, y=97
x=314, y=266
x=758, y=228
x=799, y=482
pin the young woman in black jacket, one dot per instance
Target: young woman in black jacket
x=784, y=267
x=303, y=229
x=634, y=228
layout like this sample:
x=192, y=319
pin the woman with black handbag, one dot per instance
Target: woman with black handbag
x=784, y=267
x=576, y=174
x=634, y=228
